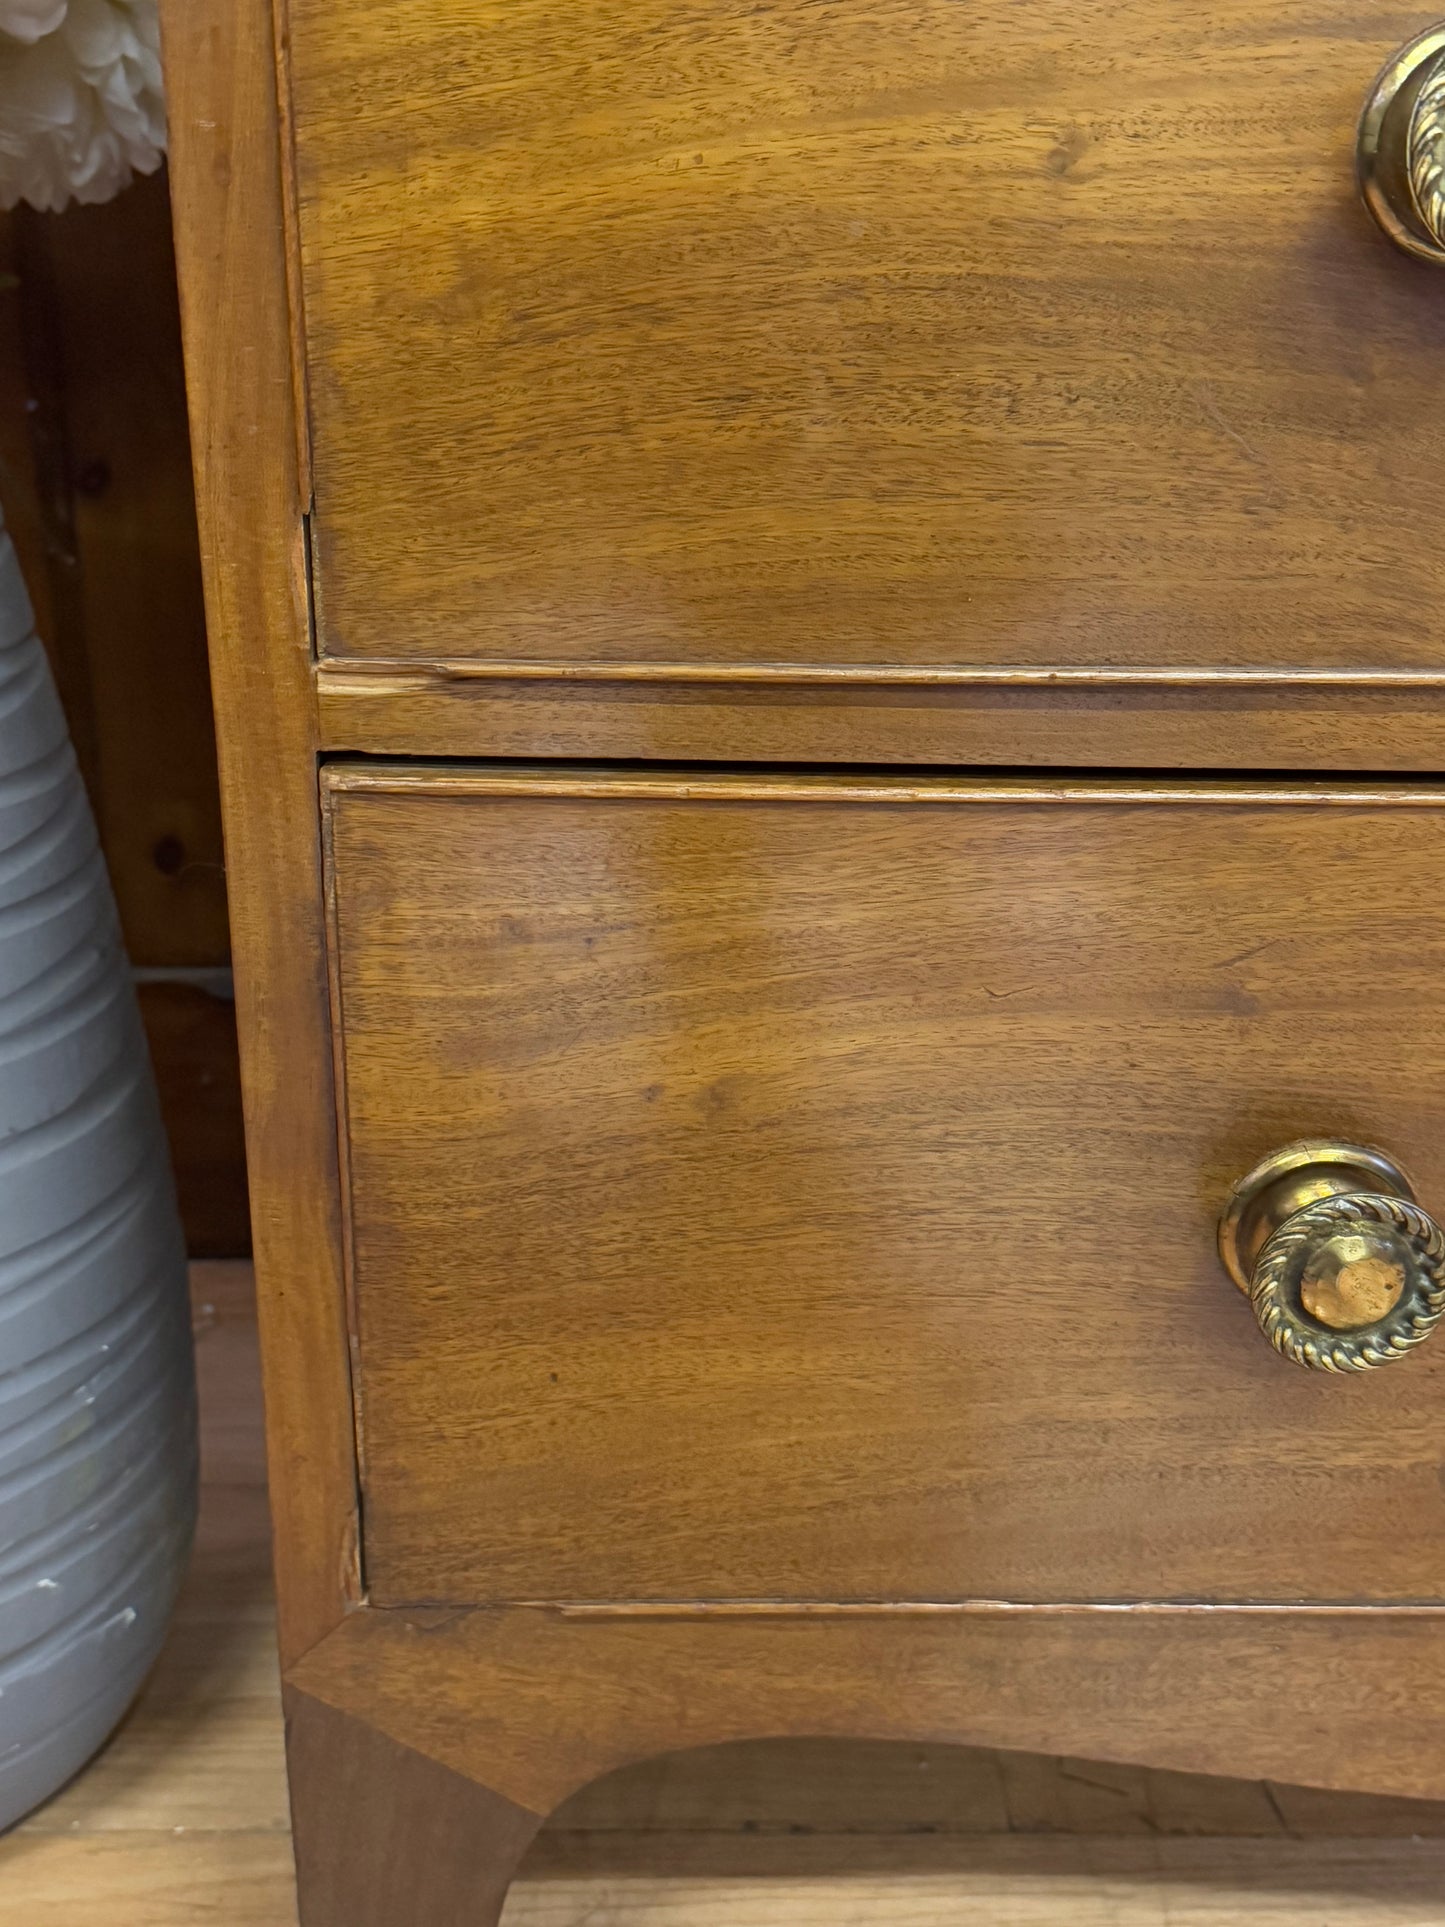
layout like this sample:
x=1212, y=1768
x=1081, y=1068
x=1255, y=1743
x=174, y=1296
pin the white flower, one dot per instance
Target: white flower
x=27, y=20
x=81, y=106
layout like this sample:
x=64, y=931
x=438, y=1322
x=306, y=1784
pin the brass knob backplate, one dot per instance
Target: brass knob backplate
x=1344, y=1269
x=1401, y=147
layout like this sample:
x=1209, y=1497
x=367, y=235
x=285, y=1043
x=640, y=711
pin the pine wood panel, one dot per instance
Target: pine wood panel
x=893, y=331
x=191, y=1030
x=25, y=517
x=113, y=456
x=781, y=1188
x=95, y=483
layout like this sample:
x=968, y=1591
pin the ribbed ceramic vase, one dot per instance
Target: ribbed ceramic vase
x=97, y=1405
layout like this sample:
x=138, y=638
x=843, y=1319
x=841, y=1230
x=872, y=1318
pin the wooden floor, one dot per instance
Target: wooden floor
x=182, y=1820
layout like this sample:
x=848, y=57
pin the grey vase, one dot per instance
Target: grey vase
x=97, y=1401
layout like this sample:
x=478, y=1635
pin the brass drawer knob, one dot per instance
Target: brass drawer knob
x=1401, y=147
x=1344, y=1270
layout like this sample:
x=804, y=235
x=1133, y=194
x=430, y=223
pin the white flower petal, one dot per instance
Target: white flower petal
x=30, y=20
x=81, y=105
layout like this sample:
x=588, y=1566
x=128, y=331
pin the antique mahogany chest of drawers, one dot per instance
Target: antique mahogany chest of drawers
x=827, y=635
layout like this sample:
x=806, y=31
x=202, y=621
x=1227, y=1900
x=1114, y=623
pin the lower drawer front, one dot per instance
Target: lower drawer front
x=806, y=1188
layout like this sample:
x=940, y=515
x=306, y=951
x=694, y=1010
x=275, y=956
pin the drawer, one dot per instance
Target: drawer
x=806, y=1188
x=872, y=336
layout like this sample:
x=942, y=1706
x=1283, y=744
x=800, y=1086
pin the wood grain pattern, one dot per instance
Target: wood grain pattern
x=1223, y=726
x=38, y=480
x=800, y=1789
x=1123, y=1883
x=193, y=1044
x=535, y=1704
x=95, y=474
x=144, y=1880
x=890, y=331
x=106, y=296
x=765, y=1191
x=804, y=1188
x=230, y=255
x=232, y=1880
x=385, y=1835
x=583, y=782
x=27, y=519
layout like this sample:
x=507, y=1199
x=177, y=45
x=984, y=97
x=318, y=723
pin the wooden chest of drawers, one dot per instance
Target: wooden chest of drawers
x=825, y=623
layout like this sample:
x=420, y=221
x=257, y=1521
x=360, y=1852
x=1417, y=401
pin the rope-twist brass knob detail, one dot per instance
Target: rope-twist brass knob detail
x=1427, y=149
x=1351, y=1282
x=1401, y=147
x=1344, y=1270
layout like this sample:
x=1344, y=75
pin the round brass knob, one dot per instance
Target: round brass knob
x=1344, y=1270
x=1401, y=147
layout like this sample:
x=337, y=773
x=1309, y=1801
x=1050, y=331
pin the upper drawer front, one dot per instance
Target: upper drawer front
x=765, y=1189
x=884, y=332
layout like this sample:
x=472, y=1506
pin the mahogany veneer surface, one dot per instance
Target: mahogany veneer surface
x=782, y=1188
x=890, y=331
